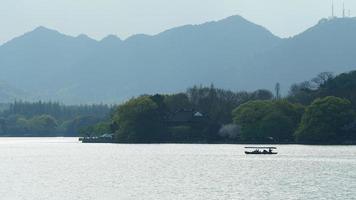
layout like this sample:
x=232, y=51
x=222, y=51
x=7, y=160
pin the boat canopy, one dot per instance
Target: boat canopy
x=261, y=147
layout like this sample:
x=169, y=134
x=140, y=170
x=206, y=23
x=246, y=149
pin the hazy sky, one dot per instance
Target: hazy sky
x=98, y=18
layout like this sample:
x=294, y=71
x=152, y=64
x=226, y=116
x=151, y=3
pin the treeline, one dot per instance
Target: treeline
x=55, y=109
x=319, y=111
x=171, y=118
x=49, y=118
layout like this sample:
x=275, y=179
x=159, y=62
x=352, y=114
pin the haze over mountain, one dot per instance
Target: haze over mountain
x=231, y=53
x=9, y=93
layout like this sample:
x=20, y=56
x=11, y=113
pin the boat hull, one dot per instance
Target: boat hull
x=258, y=153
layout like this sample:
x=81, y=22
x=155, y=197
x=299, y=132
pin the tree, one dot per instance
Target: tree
x=267, y=120
x=23, y=118
x=324, y=120
x=277, y=126
x=262, y=95
x=301, y=93
x=42, y=125
x=78, y=124
x=139, y=121
x=321, y=79
x=176, y=102
x=343, y=86
x=218, y=103
x=248, y=115
x=96, y=130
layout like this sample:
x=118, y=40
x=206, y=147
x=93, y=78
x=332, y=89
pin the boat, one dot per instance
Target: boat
x=106, y=138
x=261, y=150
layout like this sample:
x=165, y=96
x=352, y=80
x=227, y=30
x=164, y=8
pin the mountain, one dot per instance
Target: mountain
x=329, y=46
x=9, y=93
x=232, y=53
x=50, y=65
x=176, y=59
x=39, y=61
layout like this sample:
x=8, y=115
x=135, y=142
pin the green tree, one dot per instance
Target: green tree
x=277, y=126
x=218, y=103
x=324, y=120
x=248, y=116
x=139, y=121
x=96, y=130
x=73, y=127
x=261, y=95
x=267, y=120
x=302, y=93
x=343, y=86
x=176, y=102
x=42, y=125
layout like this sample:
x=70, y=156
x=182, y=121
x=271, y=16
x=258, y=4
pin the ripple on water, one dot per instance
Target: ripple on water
x=62, y=168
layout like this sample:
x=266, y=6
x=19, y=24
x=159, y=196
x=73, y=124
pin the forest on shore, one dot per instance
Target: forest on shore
x=318, y=111
x=48, y=119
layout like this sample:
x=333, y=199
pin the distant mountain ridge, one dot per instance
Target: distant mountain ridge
x=231, y=53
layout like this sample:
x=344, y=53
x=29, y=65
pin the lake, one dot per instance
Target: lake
x=63, y=169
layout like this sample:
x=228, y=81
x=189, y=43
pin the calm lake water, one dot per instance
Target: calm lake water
x=63, y=169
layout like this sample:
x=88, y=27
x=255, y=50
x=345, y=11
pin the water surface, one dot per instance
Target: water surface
x=63, y=169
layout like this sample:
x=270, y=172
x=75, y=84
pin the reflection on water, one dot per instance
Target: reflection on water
x=62, y=168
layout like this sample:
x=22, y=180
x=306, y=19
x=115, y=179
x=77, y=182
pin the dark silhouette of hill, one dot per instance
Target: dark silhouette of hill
x=232, y=53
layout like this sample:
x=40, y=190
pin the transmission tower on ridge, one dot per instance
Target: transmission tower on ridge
x=332, y=9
